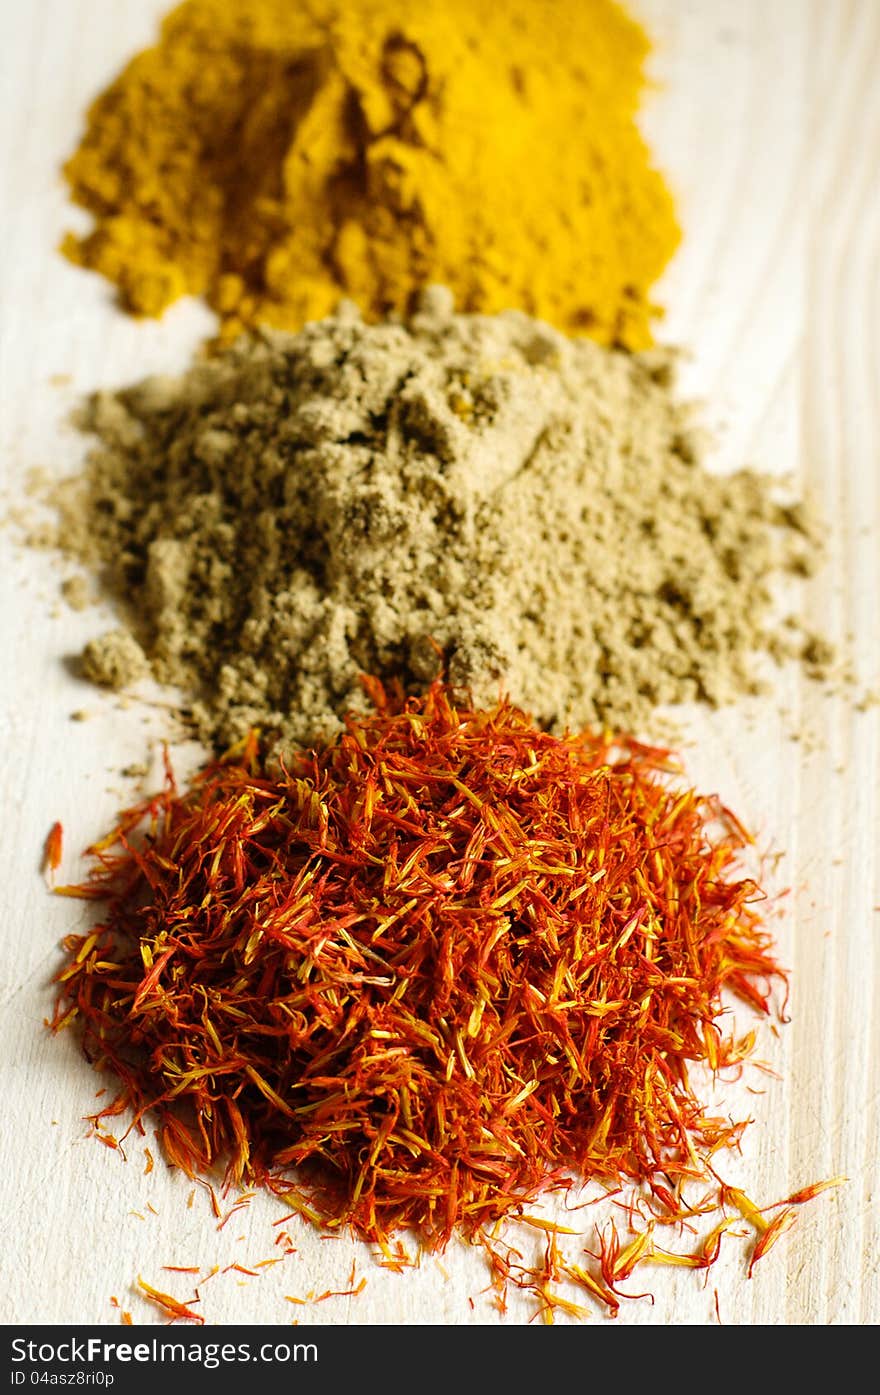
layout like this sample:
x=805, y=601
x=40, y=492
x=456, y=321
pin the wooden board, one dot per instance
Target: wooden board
x=767, y=119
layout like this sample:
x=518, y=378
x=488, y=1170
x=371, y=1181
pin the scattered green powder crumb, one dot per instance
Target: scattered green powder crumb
x=114, y=660
x=819, y=656
x=77, y=592
x=477, y=491
x=135, y=771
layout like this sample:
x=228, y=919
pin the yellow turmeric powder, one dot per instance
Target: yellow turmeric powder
x=273, y=155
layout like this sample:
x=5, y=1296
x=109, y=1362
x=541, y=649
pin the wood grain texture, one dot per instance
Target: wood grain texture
x=767, y=120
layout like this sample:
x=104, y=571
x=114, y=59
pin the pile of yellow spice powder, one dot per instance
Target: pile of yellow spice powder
x=272, y=156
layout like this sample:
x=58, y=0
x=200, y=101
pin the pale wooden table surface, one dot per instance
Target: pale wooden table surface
x=768, y=123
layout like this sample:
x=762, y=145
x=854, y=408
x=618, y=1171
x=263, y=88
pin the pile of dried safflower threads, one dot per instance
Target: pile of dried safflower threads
x=428, y=972
x=305, y=508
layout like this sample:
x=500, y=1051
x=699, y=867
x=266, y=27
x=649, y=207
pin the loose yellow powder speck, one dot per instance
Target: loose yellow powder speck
x=271, y=155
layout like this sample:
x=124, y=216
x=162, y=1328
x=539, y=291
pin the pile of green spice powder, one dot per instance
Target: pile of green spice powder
x=473, y=495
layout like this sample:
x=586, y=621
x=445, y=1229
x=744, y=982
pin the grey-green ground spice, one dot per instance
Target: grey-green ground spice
x=114, y=660
x=369, y=497
x=77, y=592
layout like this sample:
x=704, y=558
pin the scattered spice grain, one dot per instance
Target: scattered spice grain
x=170, y=1306
x=53, y=848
